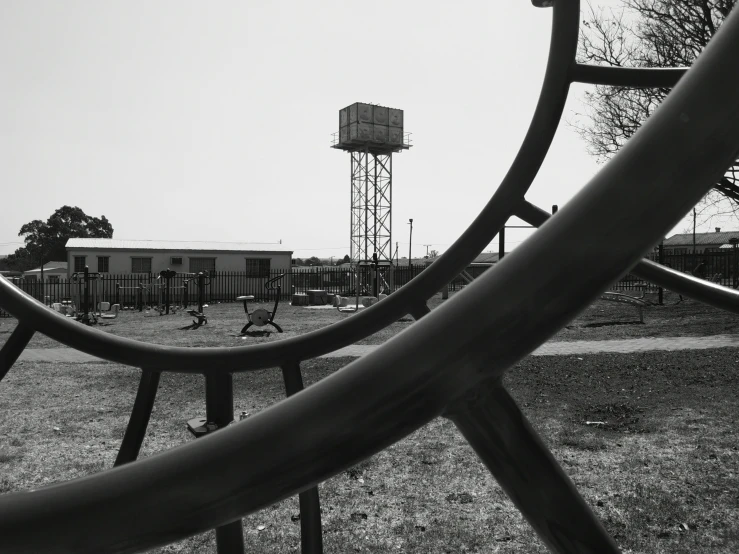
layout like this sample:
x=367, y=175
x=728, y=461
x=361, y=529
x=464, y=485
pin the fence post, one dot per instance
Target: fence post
x=661, y=262
x=201, y=291
x=185, y=284
x=117, y=294
x=86, y=303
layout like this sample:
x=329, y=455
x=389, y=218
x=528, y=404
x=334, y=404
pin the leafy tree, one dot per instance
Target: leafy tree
x=313, y=260
x=346, y=259
x=45, y=241
x=648, y=33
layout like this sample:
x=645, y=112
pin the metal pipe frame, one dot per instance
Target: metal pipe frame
x=13, y=347
x=416, y=376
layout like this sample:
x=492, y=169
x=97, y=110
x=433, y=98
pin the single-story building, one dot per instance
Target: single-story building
x=704, y=242
x=117, y=256
x=53, y=271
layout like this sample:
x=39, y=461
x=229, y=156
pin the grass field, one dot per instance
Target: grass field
x=660, y=470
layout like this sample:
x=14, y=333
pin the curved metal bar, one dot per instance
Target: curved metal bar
x=378, y=399
x=140, y=415
x=634, y=77
x=511, y=449
x=13, y=347
x=482, y=230
x=698, y=289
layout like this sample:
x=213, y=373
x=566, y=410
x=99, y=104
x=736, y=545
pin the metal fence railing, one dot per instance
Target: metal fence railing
x=225, y=286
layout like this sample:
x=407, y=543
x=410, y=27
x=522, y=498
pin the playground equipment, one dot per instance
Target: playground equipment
x=86, y=285
x=202, y=281
x=165, y=291
x=261, y=317
x=138, y=294
x=669, y=164
x=636, y=301
x=113, y=315
x=342, y=303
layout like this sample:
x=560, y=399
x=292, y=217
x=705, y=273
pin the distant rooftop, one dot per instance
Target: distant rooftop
x=701, y=239
x=179, y=245
x=49, y=266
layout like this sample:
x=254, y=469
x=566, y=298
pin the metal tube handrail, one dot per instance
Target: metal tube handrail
x=705, y=291
x=481, y=231
x=378, y=399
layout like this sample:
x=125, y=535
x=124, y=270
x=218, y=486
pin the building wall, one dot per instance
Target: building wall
x=120, y=260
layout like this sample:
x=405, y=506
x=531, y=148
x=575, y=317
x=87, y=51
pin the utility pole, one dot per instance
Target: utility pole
x=410, y=242
x=427, y=249
x=397, y=259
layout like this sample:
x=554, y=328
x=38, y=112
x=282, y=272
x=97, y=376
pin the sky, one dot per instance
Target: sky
x=183, y=120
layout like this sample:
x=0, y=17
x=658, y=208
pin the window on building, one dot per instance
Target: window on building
x=79, y=264
x=140, y=265
x=206, y=265
x=257, y=267
x=53, y=278
x=103, y=264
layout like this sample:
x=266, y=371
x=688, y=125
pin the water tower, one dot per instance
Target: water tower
x=371, y=134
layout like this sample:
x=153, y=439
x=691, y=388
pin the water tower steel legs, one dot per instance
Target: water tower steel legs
x=371, y=207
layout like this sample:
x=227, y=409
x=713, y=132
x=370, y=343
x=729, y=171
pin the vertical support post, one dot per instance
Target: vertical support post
x=166, y=293
x=375, y=213
x=201, y=291
x=117, y=293
x=661, y=259
x=219, y=409
x=86, y=303
x=311, y=535
x=375, y=276
x=501, y=243
x=140, y=294
x=410, y=244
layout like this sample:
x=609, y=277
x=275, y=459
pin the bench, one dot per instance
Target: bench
x=638, y=302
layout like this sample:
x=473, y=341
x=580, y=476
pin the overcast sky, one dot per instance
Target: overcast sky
x=186, y=120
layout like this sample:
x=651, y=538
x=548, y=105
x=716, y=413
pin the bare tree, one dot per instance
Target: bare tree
x=647, y=33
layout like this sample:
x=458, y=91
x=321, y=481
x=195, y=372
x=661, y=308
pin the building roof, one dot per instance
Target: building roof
x=701, y=239
x=179, y=245
x=487, y=258
x=50, y=266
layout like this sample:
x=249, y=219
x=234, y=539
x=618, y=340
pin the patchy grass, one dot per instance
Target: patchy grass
x=660, y=471
x=649, y=438
x=225, y=322
x=602, y=320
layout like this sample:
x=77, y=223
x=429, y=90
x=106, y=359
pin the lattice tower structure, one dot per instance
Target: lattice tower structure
x=371, y=134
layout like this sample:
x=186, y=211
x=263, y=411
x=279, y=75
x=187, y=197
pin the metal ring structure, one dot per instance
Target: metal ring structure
x=428, y=370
